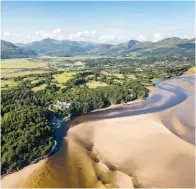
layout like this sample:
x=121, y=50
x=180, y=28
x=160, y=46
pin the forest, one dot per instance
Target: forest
x=26, y=135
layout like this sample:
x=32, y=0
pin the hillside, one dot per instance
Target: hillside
x=9, y=50
x=170, y=46
x=165, y=47
x=54, y=47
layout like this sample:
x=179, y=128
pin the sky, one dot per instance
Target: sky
x=100, y=22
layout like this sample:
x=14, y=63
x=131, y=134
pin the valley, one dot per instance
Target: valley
x=97, y=94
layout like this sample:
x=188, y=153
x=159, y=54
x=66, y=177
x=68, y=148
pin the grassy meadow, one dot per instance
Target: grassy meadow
x=64, y=77
x=6, y=84
x=20, y=63
x=13, y=73
x=95, y=84
x=39, y=88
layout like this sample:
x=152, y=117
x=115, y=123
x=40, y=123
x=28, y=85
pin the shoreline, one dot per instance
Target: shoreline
x=99, y=146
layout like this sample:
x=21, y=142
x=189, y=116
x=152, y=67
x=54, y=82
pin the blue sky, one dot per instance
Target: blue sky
x=102, y=22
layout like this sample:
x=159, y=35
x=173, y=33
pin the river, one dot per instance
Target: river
x=166, y=94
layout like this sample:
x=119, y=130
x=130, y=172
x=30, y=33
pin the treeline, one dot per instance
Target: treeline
x=26, y=135
x=83, y=99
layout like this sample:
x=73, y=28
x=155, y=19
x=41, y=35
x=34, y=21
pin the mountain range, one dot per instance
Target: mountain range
x=9, y=50
x=132, y=48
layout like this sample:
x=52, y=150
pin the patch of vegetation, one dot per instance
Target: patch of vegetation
x=20, y=63
x=39, y=88
x=119, y=76
x=60, y=85
x=95, y=84
x=131, y=76
x=26, y=135
x=5, y=84
x=64, y=77
x=23, y=73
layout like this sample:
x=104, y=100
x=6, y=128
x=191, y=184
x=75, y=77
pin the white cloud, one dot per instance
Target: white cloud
x=57, y=31
x=141, y=38
x=49, y=34
x=157, y=37
x=86, y=34
x=107, y=36
x=44, y=34
x=6, y=33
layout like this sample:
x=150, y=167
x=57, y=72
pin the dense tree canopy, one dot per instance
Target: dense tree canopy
x=26, y=135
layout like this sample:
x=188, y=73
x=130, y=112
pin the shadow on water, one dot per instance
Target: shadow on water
x=61, y=128
x=61, y=132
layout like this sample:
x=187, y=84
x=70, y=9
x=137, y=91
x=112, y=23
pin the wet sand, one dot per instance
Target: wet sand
x=118, y=147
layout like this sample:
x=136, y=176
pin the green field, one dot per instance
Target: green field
x=119, y=76
x=12, y=73
x=95, y=84
x=34, y=80
x=131, y=76
x=64, y=77
x=60, y=85
x=6, y=84
x=21, y=63
x=39, y=88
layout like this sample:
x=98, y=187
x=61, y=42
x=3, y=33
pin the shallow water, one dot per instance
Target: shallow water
x=169, y=93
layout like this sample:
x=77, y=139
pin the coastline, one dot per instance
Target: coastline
x=112, y=150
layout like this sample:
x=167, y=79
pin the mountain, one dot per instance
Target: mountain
x=132, y=44
x=60, y=48
x=20, y=44
x=133, y=48
x=9, y=50
x=165, y=47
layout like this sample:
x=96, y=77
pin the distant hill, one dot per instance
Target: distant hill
x=133, y=48
x=60, y=48
x=9, y=50
x=168, y=46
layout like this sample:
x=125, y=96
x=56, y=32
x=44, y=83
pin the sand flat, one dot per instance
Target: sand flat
x=143, y=150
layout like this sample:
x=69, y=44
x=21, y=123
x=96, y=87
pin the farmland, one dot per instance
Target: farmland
x=95, y=84
x=64, y=77
x=21, y=67
x=7, y=73
x=39, y=88
x=20, y=63
x=6, y=84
